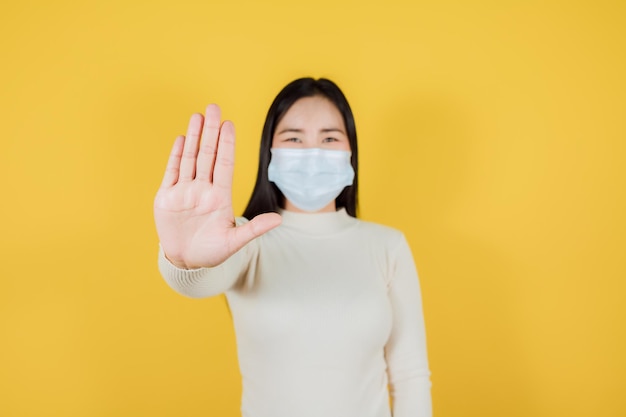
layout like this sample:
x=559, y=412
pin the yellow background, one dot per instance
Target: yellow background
x=492, y=133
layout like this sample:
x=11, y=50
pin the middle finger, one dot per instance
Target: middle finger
x=208, y=146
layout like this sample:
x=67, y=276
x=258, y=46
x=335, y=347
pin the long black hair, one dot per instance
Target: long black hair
x=266, y=197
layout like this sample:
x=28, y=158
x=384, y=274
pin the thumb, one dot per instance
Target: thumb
x=256, y=227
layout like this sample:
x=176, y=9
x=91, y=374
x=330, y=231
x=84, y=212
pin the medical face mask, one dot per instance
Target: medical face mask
x=310, y=178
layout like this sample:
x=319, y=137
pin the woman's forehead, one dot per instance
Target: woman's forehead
x=311, y=112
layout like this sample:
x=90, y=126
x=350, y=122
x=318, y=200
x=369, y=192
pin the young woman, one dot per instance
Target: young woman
x=327, y=308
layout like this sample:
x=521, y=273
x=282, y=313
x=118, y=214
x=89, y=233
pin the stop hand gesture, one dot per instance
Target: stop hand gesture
x=193, y=207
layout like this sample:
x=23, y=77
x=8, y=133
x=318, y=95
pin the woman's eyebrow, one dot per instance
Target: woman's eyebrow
x=289, y=129
x=325, y=130
x=332, y=129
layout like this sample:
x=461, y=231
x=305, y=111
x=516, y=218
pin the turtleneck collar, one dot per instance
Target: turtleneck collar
x=318, y=224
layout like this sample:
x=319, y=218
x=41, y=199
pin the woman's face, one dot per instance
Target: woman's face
x=312, y=122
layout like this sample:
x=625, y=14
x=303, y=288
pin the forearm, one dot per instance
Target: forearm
x=411, y=394
x=201, y=282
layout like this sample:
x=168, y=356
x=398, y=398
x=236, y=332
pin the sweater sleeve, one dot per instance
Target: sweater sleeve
x=405, y=352
x=207, y=282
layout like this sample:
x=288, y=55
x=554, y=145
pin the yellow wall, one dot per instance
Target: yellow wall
x=492, y=133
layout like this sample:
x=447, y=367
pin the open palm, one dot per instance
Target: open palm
x=193, y=207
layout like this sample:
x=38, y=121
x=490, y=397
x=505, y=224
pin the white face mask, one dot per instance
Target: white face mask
x=310, y=178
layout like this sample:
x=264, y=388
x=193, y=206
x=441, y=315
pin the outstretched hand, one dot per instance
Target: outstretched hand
x=193, y=207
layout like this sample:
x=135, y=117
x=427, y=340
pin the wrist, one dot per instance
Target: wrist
x=177, y=262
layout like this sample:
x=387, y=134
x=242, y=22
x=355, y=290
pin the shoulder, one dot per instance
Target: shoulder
x=388, y=235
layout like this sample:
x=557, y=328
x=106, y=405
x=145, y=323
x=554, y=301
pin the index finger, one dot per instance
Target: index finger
x=225, y=160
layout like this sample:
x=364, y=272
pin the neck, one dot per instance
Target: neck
x=328, y=209
x=318, y=223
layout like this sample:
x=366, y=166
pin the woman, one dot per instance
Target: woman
x=326, y=307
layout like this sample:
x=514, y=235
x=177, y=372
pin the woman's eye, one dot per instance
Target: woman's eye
x=292, y=140
x=326, y=140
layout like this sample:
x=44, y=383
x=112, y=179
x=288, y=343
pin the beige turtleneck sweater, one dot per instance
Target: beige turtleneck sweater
x=327, y=311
